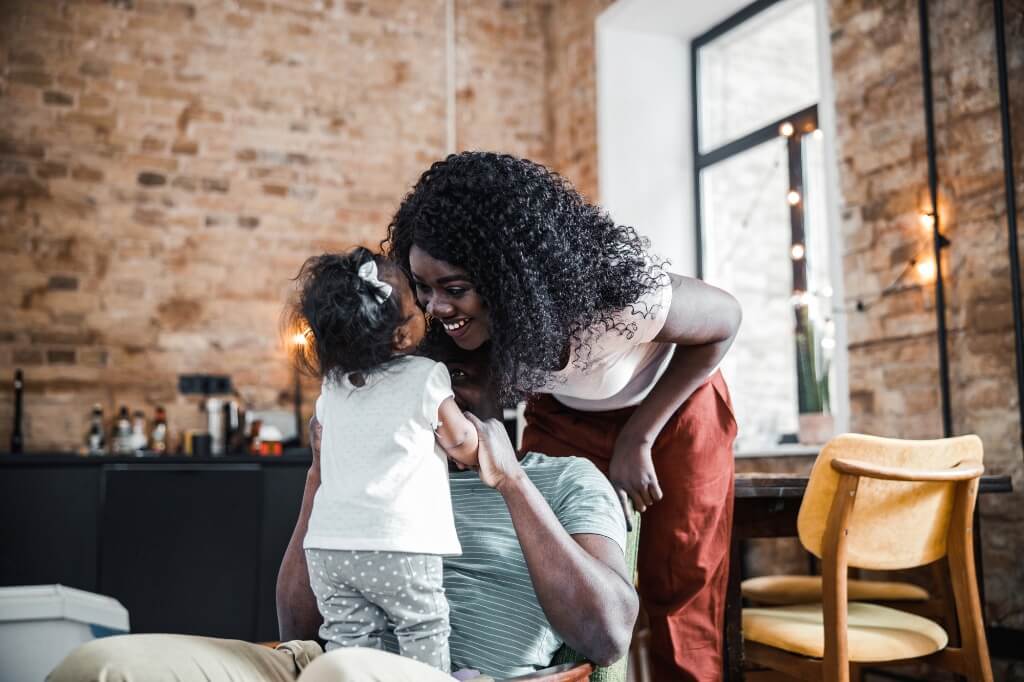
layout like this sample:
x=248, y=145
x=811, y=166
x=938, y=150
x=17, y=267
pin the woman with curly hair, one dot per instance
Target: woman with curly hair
x=619, y=358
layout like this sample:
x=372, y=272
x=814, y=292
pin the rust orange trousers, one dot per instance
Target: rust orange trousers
x=684, y=539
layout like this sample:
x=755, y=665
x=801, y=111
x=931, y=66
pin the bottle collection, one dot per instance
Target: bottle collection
x=230, y=430
x=128, y=436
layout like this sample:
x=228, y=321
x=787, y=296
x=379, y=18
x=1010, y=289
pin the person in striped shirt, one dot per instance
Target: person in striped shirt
x=542, y=563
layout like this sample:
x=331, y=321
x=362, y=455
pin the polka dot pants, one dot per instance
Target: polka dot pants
x=364, y=594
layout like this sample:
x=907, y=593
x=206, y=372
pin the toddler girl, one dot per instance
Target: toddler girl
x=382, y=517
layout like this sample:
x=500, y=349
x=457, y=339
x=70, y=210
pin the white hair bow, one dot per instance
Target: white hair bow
x=368, y=273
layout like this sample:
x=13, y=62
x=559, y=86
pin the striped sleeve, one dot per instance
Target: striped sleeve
x=585, y=502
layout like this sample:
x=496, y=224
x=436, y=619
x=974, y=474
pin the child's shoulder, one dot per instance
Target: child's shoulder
x=415, y=368
x=419, y=362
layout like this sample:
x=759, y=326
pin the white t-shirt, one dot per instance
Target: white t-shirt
x=383, y=478
x=615, y=367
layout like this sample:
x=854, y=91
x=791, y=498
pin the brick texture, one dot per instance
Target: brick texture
x=894, y=379
x=165, y=167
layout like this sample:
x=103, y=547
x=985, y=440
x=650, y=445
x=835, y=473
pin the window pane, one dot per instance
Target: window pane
x=747, y=240
x=819, y=298
x=758, y=72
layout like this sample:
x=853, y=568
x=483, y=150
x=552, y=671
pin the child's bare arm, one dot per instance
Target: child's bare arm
x=456, y=434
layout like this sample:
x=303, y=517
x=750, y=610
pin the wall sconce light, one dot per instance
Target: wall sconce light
x=299, y=342
x=925, y=270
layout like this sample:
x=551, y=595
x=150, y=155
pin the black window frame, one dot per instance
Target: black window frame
x=803, y=122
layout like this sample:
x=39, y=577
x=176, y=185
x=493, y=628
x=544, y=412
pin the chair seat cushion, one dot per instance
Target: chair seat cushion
x=876, y=633
x=782, y=590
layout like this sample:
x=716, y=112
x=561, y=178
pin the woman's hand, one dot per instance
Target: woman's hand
x=631, y=472
x=498, y=464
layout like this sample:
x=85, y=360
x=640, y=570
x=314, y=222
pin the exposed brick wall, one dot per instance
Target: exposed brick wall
x=894, y=380
x=165, y=168
x=501, y=72
x=572, y=91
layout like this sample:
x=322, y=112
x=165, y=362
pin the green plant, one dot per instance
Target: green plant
x=812, y=368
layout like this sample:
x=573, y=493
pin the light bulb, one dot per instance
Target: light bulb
x=927, y=221
x=793, y=197
x=786, y=129
x=817, y=134
x=926, y=270
x=299, y=339
x=797, y=251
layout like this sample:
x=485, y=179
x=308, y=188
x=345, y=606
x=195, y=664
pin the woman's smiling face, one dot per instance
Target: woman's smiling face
x=447, y=293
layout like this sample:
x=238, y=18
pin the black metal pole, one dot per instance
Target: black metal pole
x=1011, y=208
x=937, y=240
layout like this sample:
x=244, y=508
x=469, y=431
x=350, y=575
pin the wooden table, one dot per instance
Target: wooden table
x=767, y=507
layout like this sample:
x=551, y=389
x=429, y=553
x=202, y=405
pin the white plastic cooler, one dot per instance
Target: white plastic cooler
x=41, y=624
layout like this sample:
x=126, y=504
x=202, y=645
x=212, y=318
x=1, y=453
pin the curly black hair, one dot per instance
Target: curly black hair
x=350, y=330
x=549, y=265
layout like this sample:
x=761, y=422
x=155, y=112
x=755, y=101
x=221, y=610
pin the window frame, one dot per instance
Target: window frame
x=804, y=122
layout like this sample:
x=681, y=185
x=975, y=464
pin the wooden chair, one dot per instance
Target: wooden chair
x=882, y=504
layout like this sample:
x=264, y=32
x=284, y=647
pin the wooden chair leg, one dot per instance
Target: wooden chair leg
x=960, y=550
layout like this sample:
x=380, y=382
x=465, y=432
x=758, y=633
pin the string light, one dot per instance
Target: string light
x=786, y=129
x=797, y=251
x=300, y=338
x=800, y=298
x=817, y=134
x=927, y=220
x=793, y=197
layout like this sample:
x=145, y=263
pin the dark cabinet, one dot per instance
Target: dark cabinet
x=180, y=548
x=49, y=525
x=187, y=547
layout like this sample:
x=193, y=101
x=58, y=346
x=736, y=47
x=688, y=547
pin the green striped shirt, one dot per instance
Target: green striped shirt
x=498, y=626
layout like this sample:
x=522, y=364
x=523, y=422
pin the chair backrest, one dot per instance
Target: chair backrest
x=894, y=524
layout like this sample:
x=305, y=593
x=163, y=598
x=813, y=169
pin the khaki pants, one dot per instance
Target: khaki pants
x=183, y=658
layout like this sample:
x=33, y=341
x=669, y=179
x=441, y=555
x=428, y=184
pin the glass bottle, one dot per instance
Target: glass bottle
x=121, y=441
x=138, y=436
x=96, y=441
x=158, y=437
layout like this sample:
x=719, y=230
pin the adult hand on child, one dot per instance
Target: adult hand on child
x=498, y=465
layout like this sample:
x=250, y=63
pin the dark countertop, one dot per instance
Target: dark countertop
x=292, y=457
x=762, y=485
x=748, y=485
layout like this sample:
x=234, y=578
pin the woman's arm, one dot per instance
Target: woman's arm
x=702, y=321
x=297, y=613
x=581, y=581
